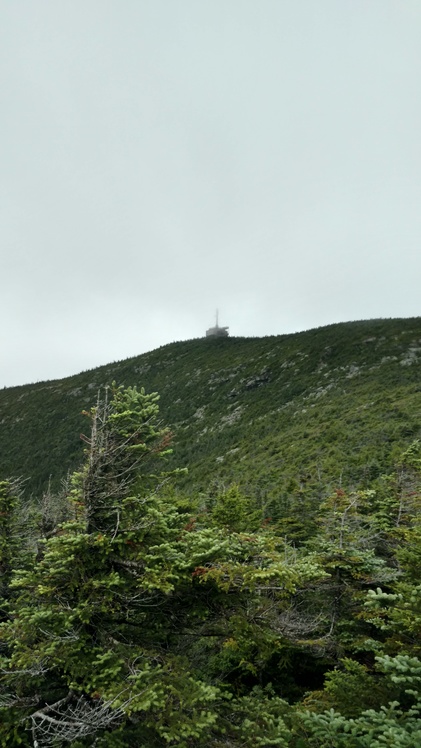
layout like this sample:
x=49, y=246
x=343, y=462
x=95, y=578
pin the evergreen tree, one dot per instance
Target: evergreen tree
x=135, y=624
x=88, y=630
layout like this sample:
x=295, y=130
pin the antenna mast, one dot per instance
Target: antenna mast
x=217, y=332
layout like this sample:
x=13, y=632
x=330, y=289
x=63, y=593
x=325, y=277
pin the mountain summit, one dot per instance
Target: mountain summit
x=278, y=414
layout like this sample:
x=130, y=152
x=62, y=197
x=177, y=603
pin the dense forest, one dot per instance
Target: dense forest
x=253, y=585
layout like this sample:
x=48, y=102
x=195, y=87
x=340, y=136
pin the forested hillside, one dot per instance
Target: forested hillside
x=280, y=415
x=235, y=564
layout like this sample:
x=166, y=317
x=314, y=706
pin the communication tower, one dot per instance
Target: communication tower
x=217, y=332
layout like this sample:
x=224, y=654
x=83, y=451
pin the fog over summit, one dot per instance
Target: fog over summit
x=159, y=160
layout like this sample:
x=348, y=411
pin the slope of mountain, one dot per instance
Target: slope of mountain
x=285, y=416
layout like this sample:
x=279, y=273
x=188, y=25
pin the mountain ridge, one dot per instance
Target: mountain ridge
x=281, y=415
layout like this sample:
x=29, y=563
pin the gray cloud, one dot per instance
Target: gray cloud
x=159, y=159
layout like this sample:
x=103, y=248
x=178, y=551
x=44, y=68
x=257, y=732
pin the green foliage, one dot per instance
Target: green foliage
x=18, y=536
x=350, y=689
x=314, y=408
x=99, y=631
x=258, y=719
x=92, y=615
x=272, y=598
x=8, y=539
x=391, y=724
x=235, y=511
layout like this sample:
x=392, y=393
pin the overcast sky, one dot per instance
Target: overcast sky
x=162, y=158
